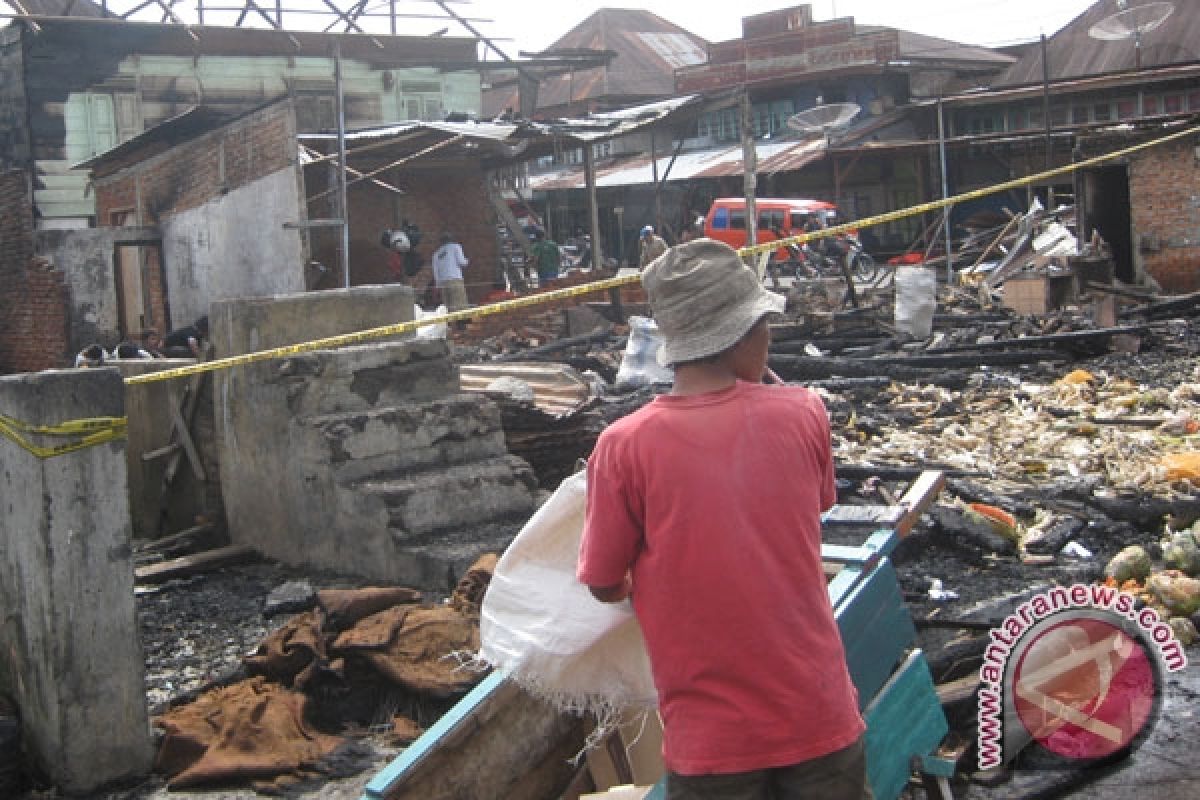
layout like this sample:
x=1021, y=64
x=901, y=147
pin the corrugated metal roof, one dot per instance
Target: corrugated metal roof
x=1073, y=53
x=711, y=163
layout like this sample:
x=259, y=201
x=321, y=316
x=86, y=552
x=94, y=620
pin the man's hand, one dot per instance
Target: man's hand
x=615, y=593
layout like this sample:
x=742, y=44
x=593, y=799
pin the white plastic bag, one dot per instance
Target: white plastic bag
x=435, y=331
x=639, y=365
x=542, y=627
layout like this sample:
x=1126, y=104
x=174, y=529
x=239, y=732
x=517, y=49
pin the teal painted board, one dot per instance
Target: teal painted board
x=659, y=792
x=425, y=744
x=903, y=721
x=876, y=630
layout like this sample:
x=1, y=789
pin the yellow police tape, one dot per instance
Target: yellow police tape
x=97, y=431
x=87, y=433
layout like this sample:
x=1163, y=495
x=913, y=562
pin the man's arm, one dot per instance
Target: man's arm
x=615, y=593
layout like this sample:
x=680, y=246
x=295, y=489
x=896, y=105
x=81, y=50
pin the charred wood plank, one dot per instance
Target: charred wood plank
x=1186, y=305
x=809, y=368
x=1069, y=338
x=972, y=360
x=557, y=346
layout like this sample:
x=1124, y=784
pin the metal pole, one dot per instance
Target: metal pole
x=749, y=169
x=344, y=251
x=945, y=191
x=658, y=226
x=1046, y=119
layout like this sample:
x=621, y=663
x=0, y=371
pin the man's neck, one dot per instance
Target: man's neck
x=692, y=379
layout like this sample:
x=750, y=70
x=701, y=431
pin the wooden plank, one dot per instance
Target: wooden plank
x=904, y=720
x=917, y=500
x=151, y=455
x=185, y=438
x=957, y=691
x=190, y=565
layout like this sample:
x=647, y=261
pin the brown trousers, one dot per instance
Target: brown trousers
x=841, y=775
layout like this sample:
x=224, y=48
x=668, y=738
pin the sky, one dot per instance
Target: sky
x=533, y=25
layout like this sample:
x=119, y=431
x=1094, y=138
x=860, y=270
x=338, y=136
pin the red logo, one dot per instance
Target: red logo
x=1084, y=688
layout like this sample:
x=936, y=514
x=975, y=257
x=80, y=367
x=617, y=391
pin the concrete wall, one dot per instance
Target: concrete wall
x=235, y=246
x=71, y=654
x=220, y=201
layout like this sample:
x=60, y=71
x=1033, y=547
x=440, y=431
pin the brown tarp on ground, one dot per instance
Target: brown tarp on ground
x=257, y=729
x=253, y=729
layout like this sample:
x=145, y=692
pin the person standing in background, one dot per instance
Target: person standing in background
x=547, y=257
x=448, y=263
x=651, y=247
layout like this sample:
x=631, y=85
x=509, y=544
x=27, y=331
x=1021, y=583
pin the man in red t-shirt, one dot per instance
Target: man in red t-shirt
x=704, y=508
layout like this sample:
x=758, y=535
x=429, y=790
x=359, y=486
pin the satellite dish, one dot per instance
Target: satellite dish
x=1131, y=23
x=824, y=119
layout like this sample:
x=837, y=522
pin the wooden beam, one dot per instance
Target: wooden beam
x=919, y=497
x=193, y=564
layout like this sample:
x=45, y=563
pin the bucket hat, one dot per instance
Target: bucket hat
x=704, y=299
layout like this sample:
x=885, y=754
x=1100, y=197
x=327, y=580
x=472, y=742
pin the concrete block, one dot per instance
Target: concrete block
x=71, y=658
x=300, y=436
x=248, y=324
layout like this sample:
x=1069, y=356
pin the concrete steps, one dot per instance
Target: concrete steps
x=450, y=431
x=423, y=503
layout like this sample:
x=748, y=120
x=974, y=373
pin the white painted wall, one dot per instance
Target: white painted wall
x=235, y=246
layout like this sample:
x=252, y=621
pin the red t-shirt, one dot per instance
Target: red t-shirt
x=714, y=502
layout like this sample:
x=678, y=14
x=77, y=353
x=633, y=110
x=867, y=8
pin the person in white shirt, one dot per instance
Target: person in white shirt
x=448, y=261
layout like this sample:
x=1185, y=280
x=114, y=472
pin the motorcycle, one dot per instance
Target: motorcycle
x=820, y=258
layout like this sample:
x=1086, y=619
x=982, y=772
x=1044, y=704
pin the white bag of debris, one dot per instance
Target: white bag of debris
x=542, y=627
x=916, y=300
x=640, y=365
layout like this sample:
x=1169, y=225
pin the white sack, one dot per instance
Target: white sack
x=542, y=627
x=639, y=365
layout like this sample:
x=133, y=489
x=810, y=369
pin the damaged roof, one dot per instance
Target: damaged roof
x=1074, y=53
x=517, y=141
x=715, y=162
x=648, y=49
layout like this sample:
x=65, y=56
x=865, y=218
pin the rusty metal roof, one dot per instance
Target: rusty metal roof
x=1073, y=53
x=648, y=50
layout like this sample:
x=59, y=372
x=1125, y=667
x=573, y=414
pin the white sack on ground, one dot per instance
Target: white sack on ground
x=542, y=627
x=639, y=365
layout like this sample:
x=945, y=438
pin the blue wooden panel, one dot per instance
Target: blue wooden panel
x=903, y=721
x=427, y=742
x=876, y=630
x=659, y=792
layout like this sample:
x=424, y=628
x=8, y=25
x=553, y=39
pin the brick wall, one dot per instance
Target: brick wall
x=1164, y=190
x=191, y=174
x=451, y=198
x=33, y=295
